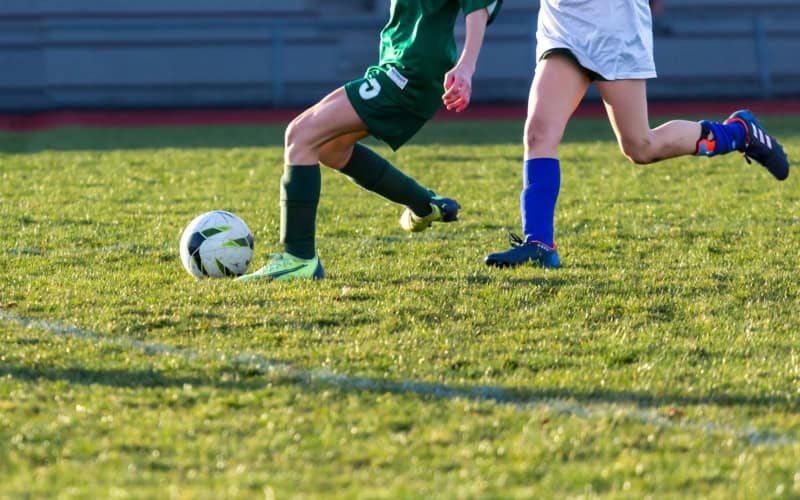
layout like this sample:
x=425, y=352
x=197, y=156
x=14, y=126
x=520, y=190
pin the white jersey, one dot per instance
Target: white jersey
x=613, y=38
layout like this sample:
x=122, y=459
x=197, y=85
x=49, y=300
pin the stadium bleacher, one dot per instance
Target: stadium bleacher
x=172, y=53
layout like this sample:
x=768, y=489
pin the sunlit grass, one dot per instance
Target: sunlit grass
x=661, y=359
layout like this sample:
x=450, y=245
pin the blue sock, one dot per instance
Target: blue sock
x=541, y=182
x=727, y=137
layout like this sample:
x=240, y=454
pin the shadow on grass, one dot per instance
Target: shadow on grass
x=84, y=376
x=248, y=376
x=482, y=279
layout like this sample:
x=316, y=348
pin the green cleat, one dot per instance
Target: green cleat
x=284, y=266
x=442, y=210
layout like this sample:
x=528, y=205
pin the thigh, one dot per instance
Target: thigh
x=558, y=87
x=328, y=119
x=626, y=106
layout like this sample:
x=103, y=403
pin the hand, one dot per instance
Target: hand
x=458, y=89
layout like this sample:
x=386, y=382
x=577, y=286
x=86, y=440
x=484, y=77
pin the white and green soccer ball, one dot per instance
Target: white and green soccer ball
x=216, y=244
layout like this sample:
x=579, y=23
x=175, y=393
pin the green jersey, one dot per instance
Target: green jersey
x=418, y=41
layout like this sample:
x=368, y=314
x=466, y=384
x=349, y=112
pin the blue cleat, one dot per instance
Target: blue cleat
x=760, y=146
x=523, y=252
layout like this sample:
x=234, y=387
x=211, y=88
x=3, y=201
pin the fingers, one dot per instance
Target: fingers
x=449, y=80
x=457, y=100
x=458, y=91
x=459, y=105
x=453, y=82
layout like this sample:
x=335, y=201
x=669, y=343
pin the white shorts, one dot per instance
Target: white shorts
x=613, y=38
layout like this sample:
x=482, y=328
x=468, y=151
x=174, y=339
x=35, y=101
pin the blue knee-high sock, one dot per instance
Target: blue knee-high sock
x=541, y=182
x=727, y=137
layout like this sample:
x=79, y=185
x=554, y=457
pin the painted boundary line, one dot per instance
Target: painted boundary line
x=422, y=389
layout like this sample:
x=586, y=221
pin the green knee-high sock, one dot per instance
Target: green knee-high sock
x=300, y=188
x=374, y=173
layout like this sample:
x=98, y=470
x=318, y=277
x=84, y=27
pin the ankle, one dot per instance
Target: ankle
x=422, y=216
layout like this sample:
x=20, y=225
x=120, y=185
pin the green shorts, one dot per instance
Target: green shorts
x=593, y=76
x=381, y=105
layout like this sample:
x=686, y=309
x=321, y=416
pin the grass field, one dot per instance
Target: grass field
x=662, y=360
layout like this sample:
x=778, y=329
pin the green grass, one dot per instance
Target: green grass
x=663, y=358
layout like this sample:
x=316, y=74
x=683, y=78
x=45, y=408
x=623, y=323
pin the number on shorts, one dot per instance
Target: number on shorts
x=369, y=89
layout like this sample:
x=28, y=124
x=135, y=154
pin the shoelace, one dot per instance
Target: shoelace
x=516, y=240
x=748, y=142
x=747, y=157
x=755, y=140
x=274, y=258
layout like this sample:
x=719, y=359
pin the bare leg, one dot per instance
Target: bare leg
x=626, y=105
x=331, y=118
x=328, y=132
x=337, y=152
x=557, y=89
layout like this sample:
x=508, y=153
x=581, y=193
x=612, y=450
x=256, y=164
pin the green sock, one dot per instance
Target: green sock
x=374, y=173
x=300, y=188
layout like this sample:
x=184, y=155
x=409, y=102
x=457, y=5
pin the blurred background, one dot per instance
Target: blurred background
x=90, y=54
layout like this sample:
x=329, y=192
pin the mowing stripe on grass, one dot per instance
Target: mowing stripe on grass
x=422, y=389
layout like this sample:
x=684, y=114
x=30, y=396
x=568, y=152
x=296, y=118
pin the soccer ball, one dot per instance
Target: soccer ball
x=216, y=244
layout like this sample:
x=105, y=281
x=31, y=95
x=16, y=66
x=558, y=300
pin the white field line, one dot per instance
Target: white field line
x=594, y=410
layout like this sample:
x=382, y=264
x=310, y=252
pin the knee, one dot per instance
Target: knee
x=541, y=137
x=639, y=151
x=294, y=135
x=299, y=138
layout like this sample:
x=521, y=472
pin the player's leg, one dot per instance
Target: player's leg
x=557, y=89
x=375, y=173
x=331, y=118
x=384, y=108
x=337, y=152
x=305, y=138
x=626, y=104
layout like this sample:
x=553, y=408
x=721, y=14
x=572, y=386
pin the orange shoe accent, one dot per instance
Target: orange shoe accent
x=705, y=147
